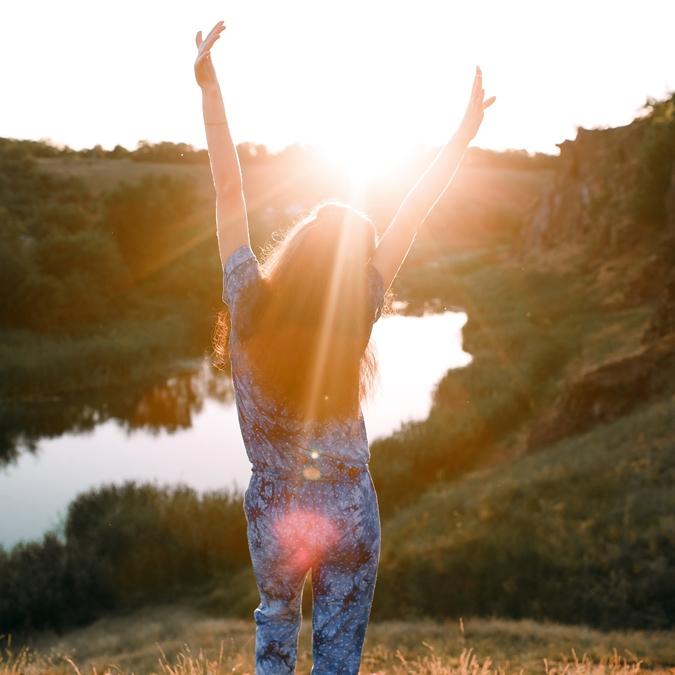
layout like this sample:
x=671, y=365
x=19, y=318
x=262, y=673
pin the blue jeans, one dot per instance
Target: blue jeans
x=332, y=528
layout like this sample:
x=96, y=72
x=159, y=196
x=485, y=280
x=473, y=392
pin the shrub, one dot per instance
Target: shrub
x=124, y=545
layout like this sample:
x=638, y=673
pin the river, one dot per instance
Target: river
x=185, y=430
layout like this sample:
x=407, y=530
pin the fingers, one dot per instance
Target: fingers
x=478, y=82
x=216, y=30
x=476, y=86
x=478, y=93
x=211, y=40
x=214, y=34
x=208, y=43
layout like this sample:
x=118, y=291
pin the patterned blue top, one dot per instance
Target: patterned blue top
x=277, y=442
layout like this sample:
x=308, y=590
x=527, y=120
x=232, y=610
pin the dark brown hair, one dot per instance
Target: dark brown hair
x=309, y=339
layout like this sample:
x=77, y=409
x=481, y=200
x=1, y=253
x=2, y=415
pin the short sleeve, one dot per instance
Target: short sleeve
x=242, y=282
x=375, y=292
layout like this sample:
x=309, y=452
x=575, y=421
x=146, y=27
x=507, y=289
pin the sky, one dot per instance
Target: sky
x=386, y=75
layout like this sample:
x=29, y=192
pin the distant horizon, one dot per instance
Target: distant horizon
x=366, y=80
x=550, y=148
x=272, y=151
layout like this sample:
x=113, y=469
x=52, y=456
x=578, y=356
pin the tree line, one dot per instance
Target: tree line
x=166, y=152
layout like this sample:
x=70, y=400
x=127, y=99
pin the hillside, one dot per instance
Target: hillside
x=572, y=522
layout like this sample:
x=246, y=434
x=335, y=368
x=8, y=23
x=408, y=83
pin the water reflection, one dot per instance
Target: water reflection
x=169, y=405
x=172, y=404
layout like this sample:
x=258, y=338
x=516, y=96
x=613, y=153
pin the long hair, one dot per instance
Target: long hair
x=309, y=338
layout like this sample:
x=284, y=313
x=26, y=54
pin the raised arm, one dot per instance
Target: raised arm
x=398, y=238
x=231, y=217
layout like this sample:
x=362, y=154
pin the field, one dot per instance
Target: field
x=180, y=640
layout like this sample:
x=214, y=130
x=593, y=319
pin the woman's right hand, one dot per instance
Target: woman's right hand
x=473, y=117
x=204, y=70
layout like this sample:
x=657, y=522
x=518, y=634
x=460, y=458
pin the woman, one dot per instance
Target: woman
x=301, y=365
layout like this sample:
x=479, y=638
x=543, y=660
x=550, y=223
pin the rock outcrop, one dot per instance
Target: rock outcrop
x=589, y=198
x=613, y=189
x=609, y=391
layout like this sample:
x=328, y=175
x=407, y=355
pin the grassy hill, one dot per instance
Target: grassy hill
x=582, y=531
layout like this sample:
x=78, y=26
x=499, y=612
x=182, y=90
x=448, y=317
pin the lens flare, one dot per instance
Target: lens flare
x=311, y=472
x=305, y=536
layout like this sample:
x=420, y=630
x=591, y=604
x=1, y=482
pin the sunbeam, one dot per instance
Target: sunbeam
x=327, y=323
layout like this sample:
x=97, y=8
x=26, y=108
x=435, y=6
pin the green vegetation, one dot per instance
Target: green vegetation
x=111, y=269
x=527, y=328
x=98, y=289
x=524, y=327
x=145, y=152
x=118, y=285
x=581, y=532
x=122, y=546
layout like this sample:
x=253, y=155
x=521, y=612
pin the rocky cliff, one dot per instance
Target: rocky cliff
x=613, y=189
x=612, y=200
x=584, y=201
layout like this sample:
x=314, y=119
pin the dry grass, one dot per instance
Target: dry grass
x=179, y=641
x=378, y=661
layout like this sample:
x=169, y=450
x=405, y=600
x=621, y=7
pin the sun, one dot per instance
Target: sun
x=363, y=159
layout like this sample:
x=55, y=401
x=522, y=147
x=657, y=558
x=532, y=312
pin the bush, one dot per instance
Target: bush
x=146, y=219
x=124, y=545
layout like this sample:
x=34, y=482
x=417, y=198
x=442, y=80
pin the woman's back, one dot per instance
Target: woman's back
x=277, y=440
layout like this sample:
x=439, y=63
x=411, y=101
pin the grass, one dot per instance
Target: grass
x=580, y=531
x=31, y=364
x=176, y=640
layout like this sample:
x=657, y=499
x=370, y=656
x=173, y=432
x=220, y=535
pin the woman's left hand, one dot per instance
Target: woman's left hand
x=473, y=117
x=205, y=73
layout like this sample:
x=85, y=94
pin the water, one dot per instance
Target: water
x=185, y=430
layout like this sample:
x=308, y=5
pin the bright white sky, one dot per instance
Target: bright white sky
x=387, y=74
